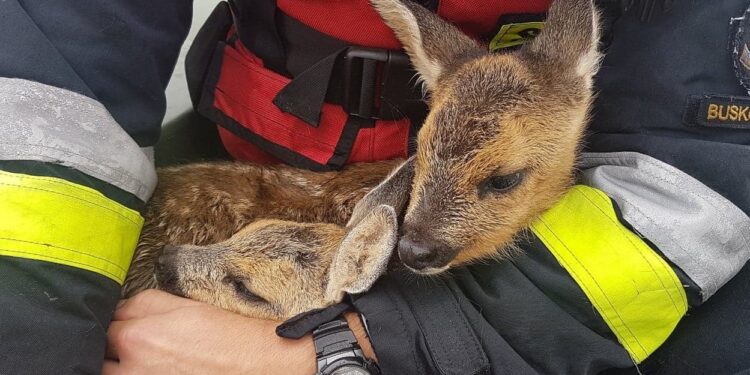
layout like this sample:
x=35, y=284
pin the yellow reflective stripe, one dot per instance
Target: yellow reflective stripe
x=633, y=288
x=53, y=220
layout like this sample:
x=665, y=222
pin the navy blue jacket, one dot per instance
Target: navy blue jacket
x=109, y=62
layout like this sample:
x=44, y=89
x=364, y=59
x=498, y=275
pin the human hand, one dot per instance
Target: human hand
x=158, y=333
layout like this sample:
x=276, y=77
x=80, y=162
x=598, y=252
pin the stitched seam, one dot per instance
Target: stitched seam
x=613, y=324
x=634, y=247
x=675, y=284
x=439, y=360
x=67, y=249
x=64, y=261
x=403, y=325
x=97, y=110
x=57, y=182
x=632, y=161
x=119, y=174
x=259, y=114
x=76, y=198
x=253, y=67
x=674, y=281
x=667, y=232
x=122, y=177
x=472, y=337
x=623, y=232
x=596, y=283
x=713, y=202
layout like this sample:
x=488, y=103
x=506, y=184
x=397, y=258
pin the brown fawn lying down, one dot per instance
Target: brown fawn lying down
x=266, y=242
x=497, y=149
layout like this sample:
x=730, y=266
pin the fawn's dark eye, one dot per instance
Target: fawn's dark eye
x=502, y=184
x=240, y=286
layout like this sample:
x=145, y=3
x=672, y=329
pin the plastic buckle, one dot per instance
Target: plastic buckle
x=377, y=83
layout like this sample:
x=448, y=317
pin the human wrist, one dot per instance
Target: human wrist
x=287, y=356
x=299, y=354
x=355, y=324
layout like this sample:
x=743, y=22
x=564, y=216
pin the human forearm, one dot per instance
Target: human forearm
x=155, y=332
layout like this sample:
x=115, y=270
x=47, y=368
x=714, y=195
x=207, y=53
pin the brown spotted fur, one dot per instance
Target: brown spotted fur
x=202, y=204
x=276, y=269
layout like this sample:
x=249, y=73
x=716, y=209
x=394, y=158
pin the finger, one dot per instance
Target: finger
x=150, y=302
x=120, y=303
x=114, y=340
x=111, y=368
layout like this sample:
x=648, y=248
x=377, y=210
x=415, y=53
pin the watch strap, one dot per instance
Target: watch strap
x=333, y=337
x=336, y=346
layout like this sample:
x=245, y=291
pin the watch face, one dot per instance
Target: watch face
x=350, y=370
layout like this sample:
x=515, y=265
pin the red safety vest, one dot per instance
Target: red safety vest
x=322, y=83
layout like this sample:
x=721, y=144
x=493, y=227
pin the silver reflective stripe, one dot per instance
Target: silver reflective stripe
x=696, y=228
x=49, y=124
x=149, y=152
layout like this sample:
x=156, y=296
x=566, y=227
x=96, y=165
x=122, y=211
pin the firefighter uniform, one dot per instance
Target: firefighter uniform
x=657, y=224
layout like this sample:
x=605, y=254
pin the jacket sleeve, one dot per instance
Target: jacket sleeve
x=536, y=313
x=81, y=102
x=522, y=317
x=585, y=293
x=487, y=319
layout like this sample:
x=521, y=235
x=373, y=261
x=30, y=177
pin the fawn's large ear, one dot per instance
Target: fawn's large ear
x=570, y=38
x=393, y=191
x=432, y=43
x=363, y=254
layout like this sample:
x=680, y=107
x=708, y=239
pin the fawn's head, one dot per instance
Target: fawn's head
x=501, y=139
x=276, y=269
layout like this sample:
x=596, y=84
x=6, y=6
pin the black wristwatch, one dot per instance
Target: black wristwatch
x=338, y=353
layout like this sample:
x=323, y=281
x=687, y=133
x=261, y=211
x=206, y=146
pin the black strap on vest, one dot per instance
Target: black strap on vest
x=299, y=325
x=256, y=24
x=373, y=84
x=453, y=345
x=369, y=83
x=304, y=96
x=201, y=52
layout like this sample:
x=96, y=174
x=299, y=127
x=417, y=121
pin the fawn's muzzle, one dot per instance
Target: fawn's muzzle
x=166, y=272
x=424, y=257
x=167, y=257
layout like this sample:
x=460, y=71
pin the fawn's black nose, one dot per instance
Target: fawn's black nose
x=424, y=256
x=166, y=270
x=167, y=257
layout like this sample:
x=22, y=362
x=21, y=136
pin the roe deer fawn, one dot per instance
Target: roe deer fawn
x=497, y=149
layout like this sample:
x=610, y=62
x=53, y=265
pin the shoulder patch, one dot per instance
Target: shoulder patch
x=514, y=30
x=718, y=111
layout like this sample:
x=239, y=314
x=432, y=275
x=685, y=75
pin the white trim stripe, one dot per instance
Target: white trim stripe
x=49, y=124
x=699, y=230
